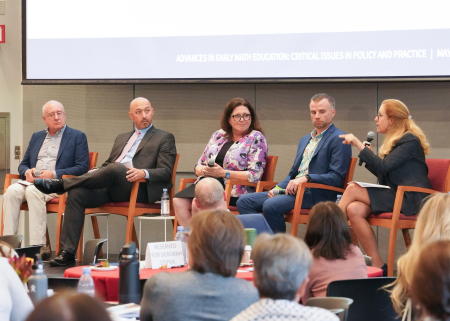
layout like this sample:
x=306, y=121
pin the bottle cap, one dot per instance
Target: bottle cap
x=86, y=270
x=339, y=196
x=180, y=228
x=248, y=248
x=164, y=189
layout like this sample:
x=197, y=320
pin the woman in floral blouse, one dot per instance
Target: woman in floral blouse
x=239, y=151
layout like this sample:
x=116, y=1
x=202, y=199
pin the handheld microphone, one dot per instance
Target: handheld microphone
x=37, y=173
x=370, y=137
x=211, y=162
x=279, y=191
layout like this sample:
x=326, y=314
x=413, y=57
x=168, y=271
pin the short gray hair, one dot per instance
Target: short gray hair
x=49, y=103
x=209, y=193
x=318, y=97
x=282, y=263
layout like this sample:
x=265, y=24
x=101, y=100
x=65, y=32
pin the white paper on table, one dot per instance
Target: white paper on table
x=164, y=253
x=25, y=183
x=362, y=184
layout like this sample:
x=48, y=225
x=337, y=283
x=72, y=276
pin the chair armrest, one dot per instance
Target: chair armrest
x=8, y=179
x=416, y=189
x=68, y=176
x=184, y=182
x=264, y=185
x=322, y=186
x=13, y=176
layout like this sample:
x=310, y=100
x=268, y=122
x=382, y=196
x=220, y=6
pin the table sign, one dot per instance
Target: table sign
x=163, y=253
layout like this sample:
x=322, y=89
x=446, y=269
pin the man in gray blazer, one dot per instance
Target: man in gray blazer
x=146, y=152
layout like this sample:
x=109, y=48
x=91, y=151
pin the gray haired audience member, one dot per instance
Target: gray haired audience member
x=282, y=265
x=209, y=195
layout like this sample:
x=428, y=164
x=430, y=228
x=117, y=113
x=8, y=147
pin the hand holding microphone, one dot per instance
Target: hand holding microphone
x=36, y=173
x=370, y=137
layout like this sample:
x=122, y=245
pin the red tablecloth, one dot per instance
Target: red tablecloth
x=107, y=282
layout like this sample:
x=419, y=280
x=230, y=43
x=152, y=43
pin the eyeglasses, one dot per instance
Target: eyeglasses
x=52, y=115
x=240, y=117
x=377, y=117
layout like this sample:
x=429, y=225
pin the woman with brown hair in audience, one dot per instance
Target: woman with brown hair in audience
x=433, y=224
x=430, y=284
x=335, y=257
x=401, y=161
x=209, y=290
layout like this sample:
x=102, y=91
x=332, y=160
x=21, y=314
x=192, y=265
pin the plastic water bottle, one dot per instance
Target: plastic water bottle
x=38, y=282
x=181, y=237
x=165, y=204
x=86, y=283
x=338, y=199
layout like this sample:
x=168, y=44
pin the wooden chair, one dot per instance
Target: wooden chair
x=300, y=215
x=53, y=206
x=269, y=173
x=439, y=175
x=129, y=209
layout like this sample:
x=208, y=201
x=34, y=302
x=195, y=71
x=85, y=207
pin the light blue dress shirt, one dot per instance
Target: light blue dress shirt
x=129, y=156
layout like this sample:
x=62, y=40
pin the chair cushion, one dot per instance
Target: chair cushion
x=54, y=201
x=233, y=208
x=388, y=216
x=127, y=204
x=303, y=211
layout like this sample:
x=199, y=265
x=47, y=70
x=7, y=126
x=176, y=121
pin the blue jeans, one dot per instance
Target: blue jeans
x=273, y=208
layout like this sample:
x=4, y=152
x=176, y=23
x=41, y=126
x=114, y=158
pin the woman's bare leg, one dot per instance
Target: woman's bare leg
x=183, y=209
x=355, y=203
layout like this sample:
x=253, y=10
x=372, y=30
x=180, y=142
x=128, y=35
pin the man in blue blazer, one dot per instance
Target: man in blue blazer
x=321, y=158
x=51, y=153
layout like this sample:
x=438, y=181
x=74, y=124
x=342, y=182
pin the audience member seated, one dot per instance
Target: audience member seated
x=209, y=290
x=15, y=304
x=209, y=195
x=281, y=266
x=239, y=150
x=70, y=307
x=321, y=158
x=335, y=257
x=433, y=224
x=401, y=162
x=430, y=284
x=6, y=250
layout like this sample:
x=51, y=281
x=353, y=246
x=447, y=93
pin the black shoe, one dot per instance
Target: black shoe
x=385, y=270
x=63, y=258
x=45, y=253
x=50, y=186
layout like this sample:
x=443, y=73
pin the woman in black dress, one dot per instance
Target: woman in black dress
x=401, y=161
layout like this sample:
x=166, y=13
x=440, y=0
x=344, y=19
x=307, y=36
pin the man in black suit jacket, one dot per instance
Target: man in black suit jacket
x=145, y=152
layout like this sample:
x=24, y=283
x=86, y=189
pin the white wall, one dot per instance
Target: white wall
x=11, y=76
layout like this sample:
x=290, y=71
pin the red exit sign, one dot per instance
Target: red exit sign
x=2, y=33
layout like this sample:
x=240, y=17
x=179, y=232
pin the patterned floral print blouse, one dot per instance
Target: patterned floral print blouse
x=247, y=154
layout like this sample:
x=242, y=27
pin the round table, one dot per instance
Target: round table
x=107, y=282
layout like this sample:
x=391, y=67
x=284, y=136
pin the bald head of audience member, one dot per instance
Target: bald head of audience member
x=282, y=264
x=54, y=116
x=209, y=195
x=141, y=112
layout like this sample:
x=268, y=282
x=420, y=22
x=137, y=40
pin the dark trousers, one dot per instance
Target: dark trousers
x=273, y=208
x=107, y=184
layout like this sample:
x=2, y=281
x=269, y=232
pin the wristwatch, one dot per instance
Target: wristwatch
x=308, y=178
x=227, y=174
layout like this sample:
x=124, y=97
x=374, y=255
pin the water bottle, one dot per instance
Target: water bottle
x=129, y=285
x=165, y=203
x=338, y=199
x=38, y=282
x=182, y=238
x=86, y=283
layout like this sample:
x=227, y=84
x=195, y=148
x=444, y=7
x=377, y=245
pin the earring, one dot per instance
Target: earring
x=389, y=127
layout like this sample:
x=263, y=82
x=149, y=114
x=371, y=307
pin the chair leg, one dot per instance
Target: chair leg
x=48, y=239
x=96, y=231
x=59, y=225
x=80, y=247
x=391, y=251
x=407, y=238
